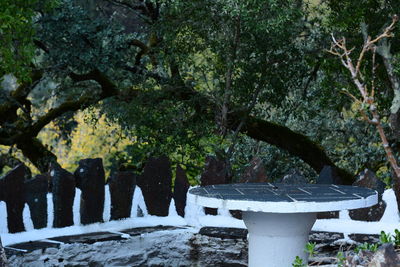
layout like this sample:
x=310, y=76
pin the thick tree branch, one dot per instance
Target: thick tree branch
x=295, y=143
x=280, y=136
x=37, y=153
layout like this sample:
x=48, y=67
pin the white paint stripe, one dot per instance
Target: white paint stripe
x=292, y=198
x=357, y=195
x=335, y=185
x=272, y=191
x=118, y=233
x=239, y=191
x=305, y=191
x=52, y=241
x=337, y=190
x=17, y=249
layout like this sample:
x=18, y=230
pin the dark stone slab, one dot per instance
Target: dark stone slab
x=90, y=178
x=371, y=214
x=141, y=230
x=294, y=176
x=63, y=189
x=368, y=179
x=11, y=252
x=122, y=186
x=329, y=175
x=328, y=215
x=320, y=237
x=33, y=245
x=13, y=193
x=88, y=238
x=36, y=197
x=224, y=232
x=180, y=190
x=238, y=214
x=362, y=238
x=255, y=172
x=155, y=183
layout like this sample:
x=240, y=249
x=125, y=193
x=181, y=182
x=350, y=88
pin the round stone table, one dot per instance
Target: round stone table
x=279, y=217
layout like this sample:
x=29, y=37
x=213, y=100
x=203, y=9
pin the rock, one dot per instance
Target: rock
x=215, y=172
x=364, y=238
x=122, y=186
x=139, y=212
x=368, y=179
x=172, y=248
x=90, y=178
x=386, y=256
x=3, y=258
x=294, y=176
x=36, y=197
x=13, y=193
x=329, y=175
x=63, y=189
x=224, y=232
x=372, y=214
x=180, y=190
x=255, y=173
x=155, y=183
x=328, y=215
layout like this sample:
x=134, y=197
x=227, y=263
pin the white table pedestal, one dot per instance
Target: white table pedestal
x=275, y=239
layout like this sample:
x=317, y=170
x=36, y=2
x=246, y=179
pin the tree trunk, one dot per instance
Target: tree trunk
x=384, y=50
x=37, y=153
x=295, y=143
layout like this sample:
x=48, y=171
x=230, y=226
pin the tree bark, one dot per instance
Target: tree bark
x=295, y=143
x=384, y=51
x=37, y=153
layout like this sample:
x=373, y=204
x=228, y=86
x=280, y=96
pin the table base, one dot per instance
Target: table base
x=275, y=239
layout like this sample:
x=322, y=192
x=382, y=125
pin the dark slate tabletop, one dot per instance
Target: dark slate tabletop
x=268, y=192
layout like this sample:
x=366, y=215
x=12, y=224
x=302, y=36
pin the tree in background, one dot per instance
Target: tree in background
x=162, y=58
x=188, y=78
x=367, y=103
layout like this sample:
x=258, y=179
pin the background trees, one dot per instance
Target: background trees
x=188, y=78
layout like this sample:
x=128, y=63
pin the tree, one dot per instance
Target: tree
x=366, y=87
x=225, y=76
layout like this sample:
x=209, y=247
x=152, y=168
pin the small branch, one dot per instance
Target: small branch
x=340, y=50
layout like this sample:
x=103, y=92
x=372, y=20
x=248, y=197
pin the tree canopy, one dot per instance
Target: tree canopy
x=189, y=78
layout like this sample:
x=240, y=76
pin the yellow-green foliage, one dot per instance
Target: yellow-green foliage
x=88, y=140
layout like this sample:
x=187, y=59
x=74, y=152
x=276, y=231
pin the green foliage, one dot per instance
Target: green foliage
x=385, y=238
x=310, y=248
x=273, y=52
x=17, y=34
x=96, y=41
x=366, y=246
x=298, y=262
x=396, y=237
x=341, y=259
